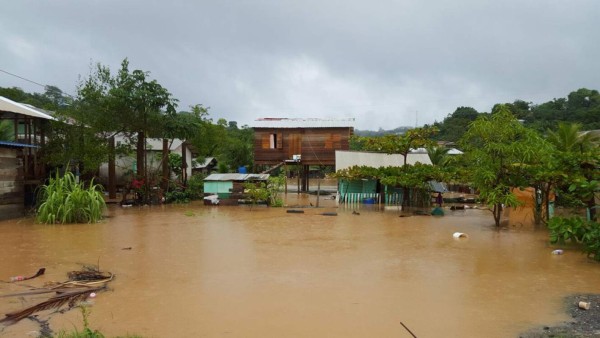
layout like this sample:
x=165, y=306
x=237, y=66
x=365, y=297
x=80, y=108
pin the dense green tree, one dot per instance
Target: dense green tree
x=519, y=108
x=401, y=144
x=581, y=106
x=128, y=103
x=73, y=143
x=498, y=147
x=455, y=124
x=237, y=151
x=578, y=156
x=52, y=99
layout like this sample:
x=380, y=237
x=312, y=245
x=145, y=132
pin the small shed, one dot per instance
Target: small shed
x=12, y=189
x=205, y=167
x=230, y=187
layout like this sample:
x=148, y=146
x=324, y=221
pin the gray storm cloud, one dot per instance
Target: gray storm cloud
x=385, y=63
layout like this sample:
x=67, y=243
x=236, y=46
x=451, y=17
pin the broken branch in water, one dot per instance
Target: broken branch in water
x=66, y=292
x=37, y=274
x=71, y=298
x=409, y=331
x=21, y=278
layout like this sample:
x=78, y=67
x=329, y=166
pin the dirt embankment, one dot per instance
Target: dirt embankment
x=584, y=323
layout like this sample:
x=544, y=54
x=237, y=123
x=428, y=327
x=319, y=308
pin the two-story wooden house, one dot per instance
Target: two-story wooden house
x=302, y=142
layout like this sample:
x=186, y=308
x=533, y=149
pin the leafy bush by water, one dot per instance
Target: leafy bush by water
x=63, y=200
x=567, y=229
x=576, y=230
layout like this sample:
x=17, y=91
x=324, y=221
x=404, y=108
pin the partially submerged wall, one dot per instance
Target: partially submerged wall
x=12, y=200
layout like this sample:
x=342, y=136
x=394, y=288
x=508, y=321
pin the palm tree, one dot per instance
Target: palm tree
x=570, y=140
x=569, y=137
x=438, y=155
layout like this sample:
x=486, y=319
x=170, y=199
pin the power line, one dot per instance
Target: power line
x=31, y=81
x=22, y=78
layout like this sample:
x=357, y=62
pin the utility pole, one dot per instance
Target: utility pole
x=416, y=118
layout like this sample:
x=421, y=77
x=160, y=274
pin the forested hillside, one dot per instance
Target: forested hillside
x=580, y=106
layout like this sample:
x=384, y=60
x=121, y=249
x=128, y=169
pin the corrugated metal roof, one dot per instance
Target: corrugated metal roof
x=236, y=177
x=205, y=163
x=438, y=186
x=16, y=145
x=454, y=151
x=258, y=177
x=346, y=159
x=23, y=109
x=302, y=123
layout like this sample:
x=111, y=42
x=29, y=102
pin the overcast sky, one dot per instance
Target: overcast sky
x=385, y=63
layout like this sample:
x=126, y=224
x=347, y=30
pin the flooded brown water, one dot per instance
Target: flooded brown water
x=201, y=271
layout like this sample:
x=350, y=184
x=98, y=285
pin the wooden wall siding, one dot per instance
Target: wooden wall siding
x=12, y=192
x=317, y=146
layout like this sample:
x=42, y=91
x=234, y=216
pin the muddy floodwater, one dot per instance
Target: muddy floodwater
x=203, y=271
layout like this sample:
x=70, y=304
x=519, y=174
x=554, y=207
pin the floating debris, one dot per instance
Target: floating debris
x=460, y=235
x=584, y=305
x=21, y=278
x=329, y=214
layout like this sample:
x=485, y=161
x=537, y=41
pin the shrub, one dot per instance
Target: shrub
x=195, y=187
x=274, y=187
x=63, y=200
x=591, y=241
x=567, y=229
x=177, y=196
x=256, y=192
x=576, y=230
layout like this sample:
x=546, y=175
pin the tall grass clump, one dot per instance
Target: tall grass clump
x=63, y=200
x=87, y=332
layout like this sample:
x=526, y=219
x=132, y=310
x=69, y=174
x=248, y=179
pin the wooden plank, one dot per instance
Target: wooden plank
x=10, y=177
x=10, y=190
x=8, y=152
x=10, y=161
x=12, y=200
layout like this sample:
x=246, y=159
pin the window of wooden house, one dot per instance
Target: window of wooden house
x=272, y=141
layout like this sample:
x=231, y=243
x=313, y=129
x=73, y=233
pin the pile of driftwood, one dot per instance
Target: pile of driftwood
x=78, y=288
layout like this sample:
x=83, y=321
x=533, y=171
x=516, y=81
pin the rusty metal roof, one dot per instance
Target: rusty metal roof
x=272, y=122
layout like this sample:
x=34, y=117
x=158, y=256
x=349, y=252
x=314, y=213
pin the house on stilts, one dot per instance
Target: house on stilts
x=21, y=169
x=300, y=142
